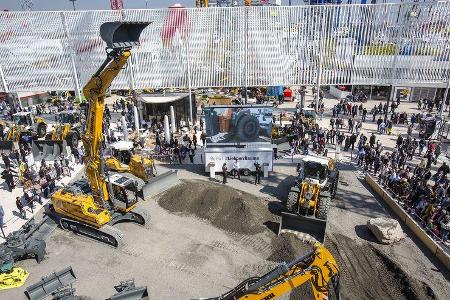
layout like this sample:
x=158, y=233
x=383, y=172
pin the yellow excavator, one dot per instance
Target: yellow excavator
x=318, y=267
x=93, y=205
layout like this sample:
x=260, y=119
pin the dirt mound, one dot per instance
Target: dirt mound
x=225, y=207
x=287, y=247
x=366, y=273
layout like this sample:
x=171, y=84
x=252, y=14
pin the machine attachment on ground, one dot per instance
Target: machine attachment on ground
x=59, y=286
x=317, y=267
x=48, y=150
x=309, y=200
x=27, y=242
x=53, y=284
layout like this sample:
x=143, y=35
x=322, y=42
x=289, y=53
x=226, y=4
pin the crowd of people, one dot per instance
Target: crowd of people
x=36, y=183
x=423, y=193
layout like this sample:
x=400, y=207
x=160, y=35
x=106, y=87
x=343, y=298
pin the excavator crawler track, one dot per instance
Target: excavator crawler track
x=106, y=234
x=143, y=216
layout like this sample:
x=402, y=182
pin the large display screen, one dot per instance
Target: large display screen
x=238, y=124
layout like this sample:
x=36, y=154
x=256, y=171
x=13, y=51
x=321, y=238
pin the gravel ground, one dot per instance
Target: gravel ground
x=367, y=273
x=193, y=240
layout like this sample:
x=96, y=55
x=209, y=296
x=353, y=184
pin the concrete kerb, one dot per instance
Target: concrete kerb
x=434, y=247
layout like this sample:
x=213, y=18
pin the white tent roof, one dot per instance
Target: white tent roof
x=159, y=98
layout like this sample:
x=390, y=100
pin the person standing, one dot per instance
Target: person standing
x=6, y=161
x=257, y=173
x=191, y=155
x=224, y=173
x=22, y=211
x=9, y=178
x=2, y=213
x=236, y=169
x=194, y=141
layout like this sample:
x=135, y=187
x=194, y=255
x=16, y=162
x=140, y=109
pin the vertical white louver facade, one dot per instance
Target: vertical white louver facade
x=238, y=46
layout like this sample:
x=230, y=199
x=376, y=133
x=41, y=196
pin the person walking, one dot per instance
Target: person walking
x=224, y=173
x=19, y=206
x=257, y=173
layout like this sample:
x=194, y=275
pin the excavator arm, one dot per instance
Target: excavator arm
x=317, y=267
x=119, y=37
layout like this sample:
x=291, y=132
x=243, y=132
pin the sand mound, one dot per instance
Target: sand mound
x=366, y=273
x=225, y=207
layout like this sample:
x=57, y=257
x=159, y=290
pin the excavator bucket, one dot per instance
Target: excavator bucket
x=48, y=150
x=309, y=226
x=122, y=34
x=6, y=145
x=159, y=184
x=51, y=283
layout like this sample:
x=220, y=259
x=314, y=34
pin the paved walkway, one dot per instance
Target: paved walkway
x=12, y=220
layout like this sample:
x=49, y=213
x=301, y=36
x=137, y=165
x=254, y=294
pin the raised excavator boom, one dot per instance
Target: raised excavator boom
x=91, y=206
x=317, y=267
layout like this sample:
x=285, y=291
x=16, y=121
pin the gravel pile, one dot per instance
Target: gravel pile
x=367, y=273
x=225, y=207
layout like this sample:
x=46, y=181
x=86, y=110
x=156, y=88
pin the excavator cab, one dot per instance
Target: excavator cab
x=125, y=192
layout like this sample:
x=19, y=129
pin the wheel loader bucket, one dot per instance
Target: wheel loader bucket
x=309, y=226
x=159, y=184
x=6, y=145
x=122, y=34
x=51, y=283
x=48, y=150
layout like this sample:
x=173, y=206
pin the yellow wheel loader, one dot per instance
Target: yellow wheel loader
x=309, y=117
x=67, y=129
x=24, y=125
x=93, y=205
x=317, y=268
x=309, y=200
x=123, y=160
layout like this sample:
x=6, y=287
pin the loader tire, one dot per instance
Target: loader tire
x=292, y=201
x=41, y=130
x=323, y=207
x=248, y=128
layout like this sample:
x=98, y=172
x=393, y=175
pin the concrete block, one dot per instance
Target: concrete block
x=386, y=230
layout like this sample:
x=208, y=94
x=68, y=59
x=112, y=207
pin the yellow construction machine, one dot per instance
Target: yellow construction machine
x=309, y=118
x=309, y=200
x=91, y=206
x=24, y=124
x=318, y=268
x=123, y=160
x=67, y=129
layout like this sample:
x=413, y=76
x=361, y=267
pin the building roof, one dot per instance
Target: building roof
x=161, y=98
